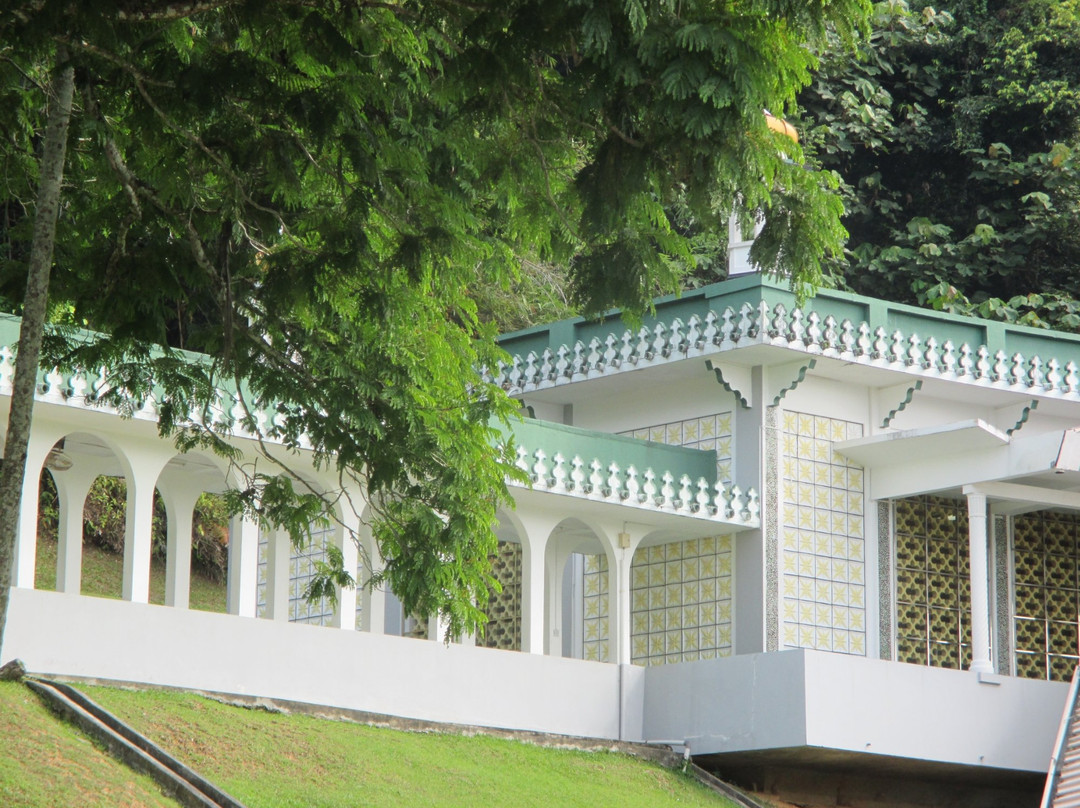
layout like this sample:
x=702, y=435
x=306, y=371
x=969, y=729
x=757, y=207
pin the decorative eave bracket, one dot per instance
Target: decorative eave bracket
x=899, y=408
x=796, y=371
x=726, y=380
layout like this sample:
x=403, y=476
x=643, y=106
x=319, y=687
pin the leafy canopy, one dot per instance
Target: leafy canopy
x=312, y=194
x=955, y=130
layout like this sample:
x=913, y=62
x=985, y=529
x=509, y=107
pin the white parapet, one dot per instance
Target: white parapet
x=70, y=635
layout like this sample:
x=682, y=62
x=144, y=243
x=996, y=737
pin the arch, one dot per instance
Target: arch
x=577, y=557
x=196, y=561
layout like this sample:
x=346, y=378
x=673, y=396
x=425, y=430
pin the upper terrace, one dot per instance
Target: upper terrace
x=755, y=320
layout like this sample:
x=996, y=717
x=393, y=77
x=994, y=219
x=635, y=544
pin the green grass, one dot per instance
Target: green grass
x=268, y=760
x=46, y=763
x=103, y=575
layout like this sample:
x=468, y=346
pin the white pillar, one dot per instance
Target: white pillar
x=533, y=552
x=145, y=465
x=26, y=536
x=278, y=561
x=180, y=498
x=346, y=535
x=533, y=528
x=243, y=593
x=980, y=581
x=619, y=605
x=373, y=610
x=620, y=621
x=72, y=486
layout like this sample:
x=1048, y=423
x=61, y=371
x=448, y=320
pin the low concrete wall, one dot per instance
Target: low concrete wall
x=71, y=635
x=814, y=699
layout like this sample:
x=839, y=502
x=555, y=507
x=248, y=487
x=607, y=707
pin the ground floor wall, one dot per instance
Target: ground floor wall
x=65, y=634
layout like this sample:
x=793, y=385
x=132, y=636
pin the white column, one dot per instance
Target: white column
x=980, y=581
x=138, y=540
x=373, y=610
x=620, y=621
x=619, y=606
x=180, y=499
x=533, y=550
x=72, y=486
x=278, y=561
x=26, y=540
x=555, y=565
x=144, y=466
x=243, y=595
x=346, y=533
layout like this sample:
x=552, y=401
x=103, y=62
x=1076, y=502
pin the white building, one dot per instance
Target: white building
x=832, y=549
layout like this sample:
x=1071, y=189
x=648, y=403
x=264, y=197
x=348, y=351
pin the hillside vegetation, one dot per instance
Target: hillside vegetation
x=270, y=760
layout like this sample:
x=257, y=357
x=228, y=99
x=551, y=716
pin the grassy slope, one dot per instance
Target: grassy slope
x=269, y=760
x=45, y=762
x=102, y=575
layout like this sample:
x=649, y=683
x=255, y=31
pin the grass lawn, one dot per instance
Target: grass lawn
x=267, y=760
x=46, y=763
x=103, y=575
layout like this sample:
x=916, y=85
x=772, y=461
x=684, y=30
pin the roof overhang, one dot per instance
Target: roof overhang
x=1040, y=471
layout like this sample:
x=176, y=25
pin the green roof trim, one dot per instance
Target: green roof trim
x=755, y=310
x=571, y=441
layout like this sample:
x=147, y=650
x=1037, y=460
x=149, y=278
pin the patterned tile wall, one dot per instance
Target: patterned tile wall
x=503, y=628
x=595, y=631
x=301, y=571
x=680, y=601
x=933, y=585
x=1047, y=587
x=707, y=432
x=823, y=562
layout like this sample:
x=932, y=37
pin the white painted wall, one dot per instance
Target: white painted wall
x=56, y=633
x=834, y=701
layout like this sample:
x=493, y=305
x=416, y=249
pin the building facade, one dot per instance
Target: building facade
x=836, y=537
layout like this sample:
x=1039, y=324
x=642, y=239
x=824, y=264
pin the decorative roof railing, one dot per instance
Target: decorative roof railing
x=609, y=468
x=1040, y=363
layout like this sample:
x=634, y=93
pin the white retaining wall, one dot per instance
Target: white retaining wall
x=72, y=635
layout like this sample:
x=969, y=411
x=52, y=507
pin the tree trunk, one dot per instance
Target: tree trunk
x=33, y=322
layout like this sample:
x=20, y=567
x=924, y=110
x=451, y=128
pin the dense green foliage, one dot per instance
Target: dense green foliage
x=308, y=193
x=955, y=130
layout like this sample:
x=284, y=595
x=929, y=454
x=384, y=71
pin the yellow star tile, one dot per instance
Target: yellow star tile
x=790, y=610
x=806, y=588
x=690, y=431
x=723, y=424
x=723, y=588
x=789, y=635
x=838, y=430
x=723, y=565
x=806, y=424
x=806, y=613
x=806, y=637
x=790, y=541
x=823, y=639
x=856, y=596
x=723, y=612
x=707, y=428
x=856, y=644
x=790, y=422
x=856, y=621
x=855, y=479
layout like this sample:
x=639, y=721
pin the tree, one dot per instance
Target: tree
x=307, y=192
x=955, y=132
